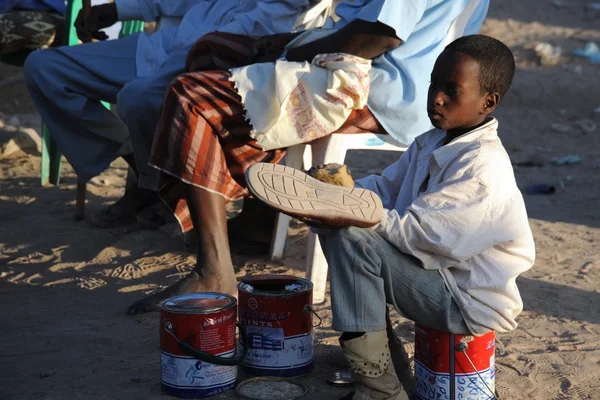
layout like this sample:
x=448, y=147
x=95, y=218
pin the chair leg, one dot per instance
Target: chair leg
x=316, y=268
x=330, y=149
x=51, y=159
x=293, y=159
x=80, y=201
x=282, y=223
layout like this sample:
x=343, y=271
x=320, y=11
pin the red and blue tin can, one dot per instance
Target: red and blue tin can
x=451, y=367
x=275, y=312
x=197, y=323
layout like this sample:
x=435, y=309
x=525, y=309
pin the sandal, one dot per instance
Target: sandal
x=295, y=193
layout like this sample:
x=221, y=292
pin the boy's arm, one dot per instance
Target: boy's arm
x=455, y=221
x=387, y=185
x=151, y=10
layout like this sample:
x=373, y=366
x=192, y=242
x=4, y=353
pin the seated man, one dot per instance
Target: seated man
x=204, y=140
x=453, y=234
x=68, y=83
x=26, y=26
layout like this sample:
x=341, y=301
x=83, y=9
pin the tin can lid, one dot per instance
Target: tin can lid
x=198, y=303
x=270, y=388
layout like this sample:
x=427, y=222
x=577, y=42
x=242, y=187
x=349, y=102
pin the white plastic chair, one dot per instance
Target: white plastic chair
x=330, y=149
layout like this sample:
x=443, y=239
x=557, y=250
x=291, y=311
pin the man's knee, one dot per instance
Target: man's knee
x=140, y=98
x=132, y=101
x=137, y=100
x=37, y=66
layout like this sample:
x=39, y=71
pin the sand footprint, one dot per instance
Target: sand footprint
x=90, y=283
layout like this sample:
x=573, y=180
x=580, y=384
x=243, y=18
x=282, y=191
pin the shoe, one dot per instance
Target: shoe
x=369, y=362
x=123, y=211
x=295, y=193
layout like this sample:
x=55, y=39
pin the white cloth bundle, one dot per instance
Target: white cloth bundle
x=288, y=103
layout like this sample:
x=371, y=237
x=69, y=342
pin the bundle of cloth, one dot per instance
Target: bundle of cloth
x=288, y=103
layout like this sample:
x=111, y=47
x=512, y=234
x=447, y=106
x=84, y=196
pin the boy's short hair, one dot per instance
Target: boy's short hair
x=496, y=61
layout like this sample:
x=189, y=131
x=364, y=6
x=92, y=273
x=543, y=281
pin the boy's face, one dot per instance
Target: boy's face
x=455, y=99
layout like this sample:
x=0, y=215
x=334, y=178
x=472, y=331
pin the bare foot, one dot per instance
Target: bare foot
x=192, y=283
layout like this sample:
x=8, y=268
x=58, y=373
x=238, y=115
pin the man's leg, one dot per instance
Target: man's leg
x=67, y=85
x=367, y=272
x=203, y=140
x=139, y=103
x=214, y=269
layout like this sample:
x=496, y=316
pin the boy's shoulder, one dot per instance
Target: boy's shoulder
x=489, y=161
x=480, y=152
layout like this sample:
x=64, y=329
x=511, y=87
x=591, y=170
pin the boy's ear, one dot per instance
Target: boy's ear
x=490, y=103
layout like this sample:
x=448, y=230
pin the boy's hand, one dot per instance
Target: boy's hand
x=332, y=173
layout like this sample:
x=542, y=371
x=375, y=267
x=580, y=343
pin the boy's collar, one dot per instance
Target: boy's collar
x=449, y=151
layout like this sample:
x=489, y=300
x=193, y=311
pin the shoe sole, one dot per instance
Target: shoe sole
x=297, y=194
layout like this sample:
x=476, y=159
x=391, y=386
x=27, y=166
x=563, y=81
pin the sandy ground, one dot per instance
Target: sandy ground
x=64, y=285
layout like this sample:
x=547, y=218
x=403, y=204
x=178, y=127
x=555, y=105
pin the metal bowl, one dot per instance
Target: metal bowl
x=267, y=388
x=340, y=379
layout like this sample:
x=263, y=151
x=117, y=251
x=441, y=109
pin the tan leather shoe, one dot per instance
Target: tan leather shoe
x=368, y=358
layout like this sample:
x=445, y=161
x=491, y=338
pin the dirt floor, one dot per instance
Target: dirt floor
x=65, y=285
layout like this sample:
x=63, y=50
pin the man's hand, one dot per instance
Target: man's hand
x=332, y=173
x=359, y=38
x=100, y=17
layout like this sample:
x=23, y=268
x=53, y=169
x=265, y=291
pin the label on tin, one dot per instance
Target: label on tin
x=189, y=373
x=269, y=348
x=436, y=386
x=473, y=366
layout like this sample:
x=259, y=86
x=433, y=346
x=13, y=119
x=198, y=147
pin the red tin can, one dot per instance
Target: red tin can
x=449, y=366
x=206, y=321
x=276, y=313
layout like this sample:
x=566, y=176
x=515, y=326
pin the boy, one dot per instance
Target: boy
x=453, y=234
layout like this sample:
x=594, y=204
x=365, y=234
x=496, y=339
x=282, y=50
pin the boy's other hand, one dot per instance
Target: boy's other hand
x=335, y=174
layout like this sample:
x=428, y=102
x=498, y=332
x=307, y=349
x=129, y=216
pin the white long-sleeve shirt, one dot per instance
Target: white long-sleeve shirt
x=468, y=221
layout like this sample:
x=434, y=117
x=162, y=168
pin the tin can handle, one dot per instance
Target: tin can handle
x=308, y=310
x=206, y=357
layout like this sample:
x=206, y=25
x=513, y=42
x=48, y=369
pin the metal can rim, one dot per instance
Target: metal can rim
x=309, y=286
x=231, y=304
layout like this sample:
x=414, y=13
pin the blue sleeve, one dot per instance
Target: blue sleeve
x=41, y=5
x=151, y=10
x=476, y=20
x=401, y=15
x=268, y=17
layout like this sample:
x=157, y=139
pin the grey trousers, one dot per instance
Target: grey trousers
x=367, y=272
x=67, y=85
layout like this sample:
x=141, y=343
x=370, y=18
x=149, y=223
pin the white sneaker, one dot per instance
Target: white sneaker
x=295, y=193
